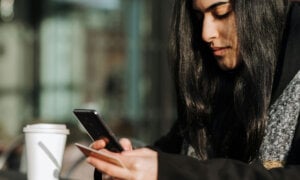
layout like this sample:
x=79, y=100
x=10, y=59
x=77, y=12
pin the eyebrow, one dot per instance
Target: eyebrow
x=213, y=6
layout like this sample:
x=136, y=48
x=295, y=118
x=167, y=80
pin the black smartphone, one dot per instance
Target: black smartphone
x=97, y=129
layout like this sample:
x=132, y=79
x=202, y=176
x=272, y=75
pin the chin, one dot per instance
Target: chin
x=226, y=64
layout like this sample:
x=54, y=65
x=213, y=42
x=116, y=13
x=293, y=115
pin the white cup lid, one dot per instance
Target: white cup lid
x=46, y=128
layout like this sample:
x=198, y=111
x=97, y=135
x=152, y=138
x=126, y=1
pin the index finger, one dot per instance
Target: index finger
x=99, y=144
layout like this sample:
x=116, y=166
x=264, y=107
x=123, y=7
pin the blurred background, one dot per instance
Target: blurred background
x=108, y=55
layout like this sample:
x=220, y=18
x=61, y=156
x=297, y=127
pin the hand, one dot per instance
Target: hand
x=100, y=144
x=141, y=164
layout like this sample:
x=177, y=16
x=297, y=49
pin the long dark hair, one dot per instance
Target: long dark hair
x=223, y=114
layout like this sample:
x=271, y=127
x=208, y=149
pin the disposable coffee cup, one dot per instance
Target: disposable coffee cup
x=45, y=145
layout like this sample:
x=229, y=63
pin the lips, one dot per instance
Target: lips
x=219, y=51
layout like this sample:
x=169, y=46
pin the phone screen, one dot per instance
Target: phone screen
x=97, y=128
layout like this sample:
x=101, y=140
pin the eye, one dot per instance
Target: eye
x=222, y=11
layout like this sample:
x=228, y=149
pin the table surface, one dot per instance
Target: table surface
x=15, y=175
x=12, y=175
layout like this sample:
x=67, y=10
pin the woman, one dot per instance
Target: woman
x=238, y=102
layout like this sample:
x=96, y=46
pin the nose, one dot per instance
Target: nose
x=209, y=30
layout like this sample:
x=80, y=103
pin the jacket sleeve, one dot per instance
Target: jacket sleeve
x=173, y=166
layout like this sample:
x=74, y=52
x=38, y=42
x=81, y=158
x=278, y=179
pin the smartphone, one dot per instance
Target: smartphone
x=97, y=129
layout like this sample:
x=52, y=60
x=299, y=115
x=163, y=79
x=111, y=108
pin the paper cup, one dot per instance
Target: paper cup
x=45, y=144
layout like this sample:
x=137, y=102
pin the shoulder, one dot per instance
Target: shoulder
x=288, y=63
x=282, y=123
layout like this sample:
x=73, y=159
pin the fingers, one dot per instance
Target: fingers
x=142, y=152
x=137, y=164
x=99, y=144
x=126, y=144
x=109, y=169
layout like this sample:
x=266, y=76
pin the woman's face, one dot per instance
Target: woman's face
x=219, y=30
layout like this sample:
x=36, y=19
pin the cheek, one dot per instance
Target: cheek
x=233, y=39
x=235, y=48
x=229, y=30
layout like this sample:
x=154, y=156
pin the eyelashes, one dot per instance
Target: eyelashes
x=222, y=16
x=222, y=11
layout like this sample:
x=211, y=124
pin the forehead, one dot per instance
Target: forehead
x=202, y=5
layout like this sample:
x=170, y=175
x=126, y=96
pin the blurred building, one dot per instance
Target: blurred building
x=109, y=55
